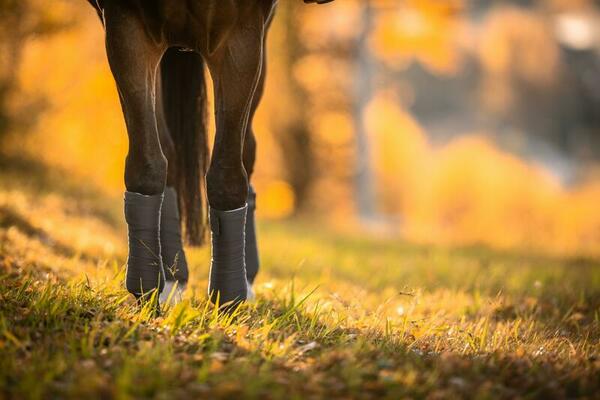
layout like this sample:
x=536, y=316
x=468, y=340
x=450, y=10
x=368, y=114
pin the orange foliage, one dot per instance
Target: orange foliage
x=83, y=131
x=423, y=30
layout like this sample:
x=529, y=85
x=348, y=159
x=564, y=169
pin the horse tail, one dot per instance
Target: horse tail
x=185, y=106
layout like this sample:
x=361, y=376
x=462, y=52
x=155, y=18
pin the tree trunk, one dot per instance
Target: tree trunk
x=365, y=70
x=295, y=138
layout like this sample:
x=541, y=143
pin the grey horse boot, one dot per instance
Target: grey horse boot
x=252, y=260
x=173, y=256
x=227, y=281
x=145, y=272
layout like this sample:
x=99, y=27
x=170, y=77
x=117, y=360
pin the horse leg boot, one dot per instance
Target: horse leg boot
x=227, y=281
x=144, y=264
x=251, y=247
x=173, y=255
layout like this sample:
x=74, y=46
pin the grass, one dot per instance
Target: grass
x=337, y=315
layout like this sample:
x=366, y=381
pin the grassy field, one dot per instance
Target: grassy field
x=337, y=315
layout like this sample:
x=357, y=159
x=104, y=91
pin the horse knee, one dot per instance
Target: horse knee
x=226, y=187
x=147, y=176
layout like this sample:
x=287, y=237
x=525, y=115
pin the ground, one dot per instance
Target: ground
x=337, y=315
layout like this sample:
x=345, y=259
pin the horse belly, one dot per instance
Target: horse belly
x=203, y=25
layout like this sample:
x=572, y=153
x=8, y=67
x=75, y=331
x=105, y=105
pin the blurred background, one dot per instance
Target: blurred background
x=448, y=122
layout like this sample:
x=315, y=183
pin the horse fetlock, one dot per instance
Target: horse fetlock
x=172, y=294
x=144, y=263
x=227, y=282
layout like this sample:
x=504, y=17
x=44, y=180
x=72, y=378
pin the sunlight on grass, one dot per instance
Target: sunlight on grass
x=335, y=315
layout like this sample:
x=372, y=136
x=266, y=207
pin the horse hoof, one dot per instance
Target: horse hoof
x=172, y=293
x=149, y=301
x=250, y=296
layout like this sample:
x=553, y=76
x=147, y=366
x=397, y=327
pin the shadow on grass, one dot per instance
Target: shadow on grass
x=39, y=179
x=10, y=218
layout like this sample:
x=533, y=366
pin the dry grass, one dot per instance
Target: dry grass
x=337, y=315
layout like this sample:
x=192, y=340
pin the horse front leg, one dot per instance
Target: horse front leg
x=249, y=159
x=235, y=69
x=133, y=58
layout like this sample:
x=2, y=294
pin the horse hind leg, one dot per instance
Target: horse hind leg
x=133, y=58
x=235, y=69
x=172, y=253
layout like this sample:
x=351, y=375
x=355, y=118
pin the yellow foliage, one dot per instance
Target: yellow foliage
x=423, y=30
x=477, y=194
x=399, y=151
x=469, y=191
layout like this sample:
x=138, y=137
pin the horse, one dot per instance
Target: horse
x=157, y=52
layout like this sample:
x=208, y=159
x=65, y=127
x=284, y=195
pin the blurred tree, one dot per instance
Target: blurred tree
x=20, y=21
x=365, y=70
x=294, y=136
x=540, y=81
